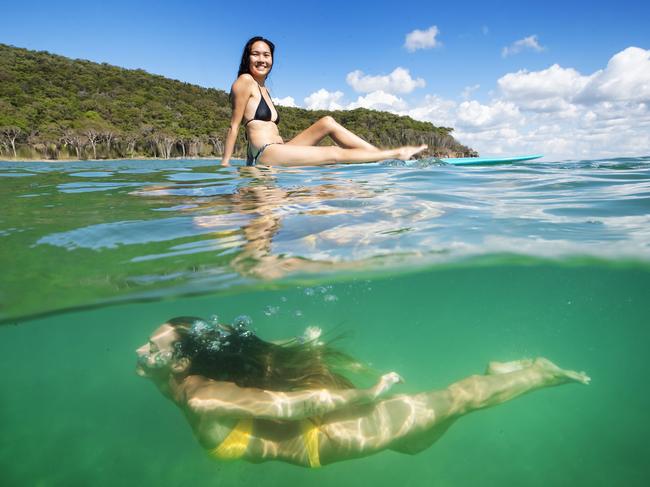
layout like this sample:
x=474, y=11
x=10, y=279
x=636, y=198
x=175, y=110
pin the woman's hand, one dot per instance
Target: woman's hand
x=386, y=383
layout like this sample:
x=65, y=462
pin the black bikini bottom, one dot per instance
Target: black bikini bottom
x=252, y=159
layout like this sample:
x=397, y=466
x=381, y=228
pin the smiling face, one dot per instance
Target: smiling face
x=260, y=59
x=156, y=356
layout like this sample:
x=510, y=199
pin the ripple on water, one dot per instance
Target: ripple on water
x=90, y=187
x=16, y=174
x=91, y=174
x=122, y=233
x=194, y=176
x=198, y=190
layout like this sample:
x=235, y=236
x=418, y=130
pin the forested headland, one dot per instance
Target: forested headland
x=53, y=107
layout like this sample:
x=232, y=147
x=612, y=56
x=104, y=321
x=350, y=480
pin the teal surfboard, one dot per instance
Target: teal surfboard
x=465, y=161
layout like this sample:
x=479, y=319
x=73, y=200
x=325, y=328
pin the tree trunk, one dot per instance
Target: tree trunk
x=108, y=137
x=92, y=138
x=77, y=147
x=217, y=145
x=130, y=146
x=169, y=144
x=11, y=133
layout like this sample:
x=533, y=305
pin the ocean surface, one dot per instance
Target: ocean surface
x=428, y=269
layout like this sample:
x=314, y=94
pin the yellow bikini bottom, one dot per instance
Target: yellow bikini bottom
x=235, y=444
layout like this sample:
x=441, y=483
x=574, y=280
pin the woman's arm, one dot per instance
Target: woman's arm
x=227, y=399
x=241, y=92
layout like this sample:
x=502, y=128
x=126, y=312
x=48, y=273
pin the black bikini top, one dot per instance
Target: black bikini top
x=263, y=111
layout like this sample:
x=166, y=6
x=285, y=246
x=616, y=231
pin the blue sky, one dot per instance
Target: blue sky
x=320, y=43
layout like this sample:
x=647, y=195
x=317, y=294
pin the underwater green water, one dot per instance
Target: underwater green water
x=429, y=270
x=73, y=412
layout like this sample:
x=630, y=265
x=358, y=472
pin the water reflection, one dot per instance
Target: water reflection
x=127, y=230
x=261, y=205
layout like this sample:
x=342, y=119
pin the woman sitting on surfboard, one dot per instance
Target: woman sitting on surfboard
x=252, y=105
x=293, y=401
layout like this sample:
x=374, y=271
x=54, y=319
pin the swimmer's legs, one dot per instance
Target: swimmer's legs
x=505, y=381
x=495, y=368
x=339, y=134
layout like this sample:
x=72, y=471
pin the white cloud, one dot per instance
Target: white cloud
x=550, y=90
x=475, y=114
x=467, y=116
x=287, y=101
x=555, y=89
x=324, y=100
x=547, y=83
x=399, y=81
x=422, y=39
x=529, y=42
x=379, y=100
x=556, y=111
x=434, y=109
x=468, y=90
x=626, y=78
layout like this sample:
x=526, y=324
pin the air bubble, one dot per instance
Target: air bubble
x=271, y=310
x=242, y=321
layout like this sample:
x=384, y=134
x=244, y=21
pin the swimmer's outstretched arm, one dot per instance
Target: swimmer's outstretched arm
x=228, y=399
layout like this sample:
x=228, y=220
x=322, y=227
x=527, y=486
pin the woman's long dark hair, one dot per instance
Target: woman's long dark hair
x=234, y=353
x=244, y=65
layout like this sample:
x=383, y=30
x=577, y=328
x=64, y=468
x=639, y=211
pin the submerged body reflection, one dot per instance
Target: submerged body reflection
x=249, y=220
x=292, y=401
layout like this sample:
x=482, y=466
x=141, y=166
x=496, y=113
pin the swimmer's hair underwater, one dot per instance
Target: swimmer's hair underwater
x=234, y=353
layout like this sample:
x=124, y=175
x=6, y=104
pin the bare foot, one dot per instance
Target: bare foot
x=496, y=368
x=560, y=376
x=407, y=152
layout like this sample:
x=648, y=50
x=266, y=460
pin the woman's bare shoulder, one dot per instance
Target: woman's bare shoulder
x=243, y=83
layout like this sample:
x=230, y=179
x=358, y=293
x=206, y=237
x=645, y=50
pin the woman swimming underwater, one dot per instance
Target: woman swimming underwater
x=246, y=398
x=252, y=105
